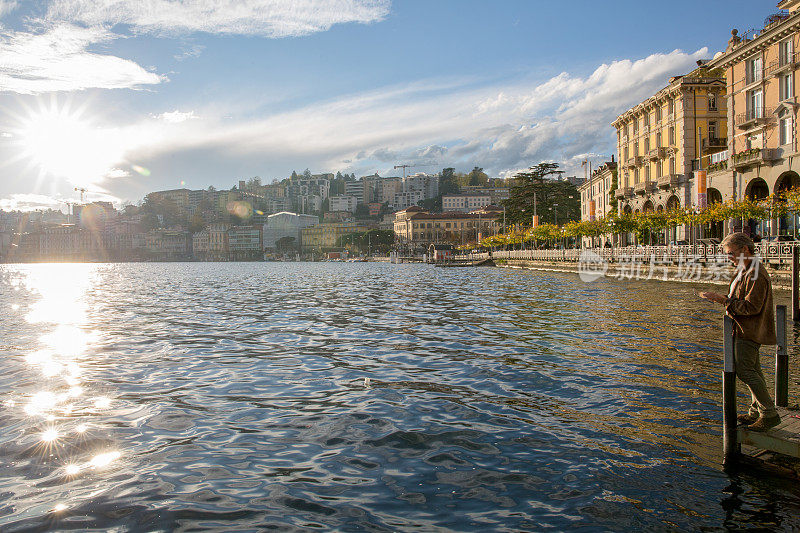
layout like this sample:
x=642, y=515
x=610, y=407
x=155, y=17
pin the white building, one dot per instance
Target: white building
x=285, y=224
x=355, y=189
x=342, y=203
x=426, y=183
x=465, y=202
x=406, y=199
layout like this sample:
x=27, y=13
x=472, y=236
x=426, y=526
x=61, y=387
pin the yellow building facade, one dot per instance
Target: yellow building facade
x=761, y=71
x=662, y=140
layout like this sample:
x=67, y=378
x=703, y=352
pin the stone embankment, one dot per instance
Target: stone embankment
x=716, y=275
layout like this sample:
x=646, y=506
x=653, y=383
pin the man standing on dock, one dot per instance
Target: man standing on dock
x=749, y=304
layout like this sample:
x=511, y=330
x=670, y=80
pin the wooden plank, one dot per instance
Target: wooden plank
x=776, y=441
x=783, y=438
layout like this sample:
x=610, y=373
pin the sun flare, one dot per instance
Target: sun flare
x=65, y=144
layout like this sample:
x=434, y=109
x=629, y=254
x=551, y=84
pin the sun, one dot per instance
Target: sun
x=63, y=143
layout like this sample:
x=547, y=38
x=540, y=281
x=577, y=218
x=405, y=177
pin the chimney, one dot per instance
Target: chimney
x=612, y=158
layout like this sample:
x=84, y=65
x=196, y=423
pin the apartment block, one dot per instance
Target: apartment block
x=664, y=139
x=342, y=203
x=595, y=192
x=761, y=70
x=416, y=228
x=465, y=202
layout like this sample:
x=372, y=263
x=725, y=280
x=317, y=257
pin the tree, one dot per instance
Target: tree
x=295, y=177
x=362, y=211
x=307, y=174
x=478, y=177
x=613, y=202
x=150, y=222
x=197, y=223
x=448, y=183
x=556, y=200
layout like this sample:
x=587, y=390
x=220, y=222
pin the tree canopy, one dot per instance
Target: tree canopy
x=555, y=201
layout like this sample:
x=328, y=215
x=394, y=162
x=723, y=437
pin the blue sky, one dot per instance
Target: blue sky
x=123, y=99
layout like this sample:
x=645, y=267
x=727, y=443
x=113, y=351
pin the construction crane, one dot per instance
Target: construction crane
x=82, y=192
x=404, y=167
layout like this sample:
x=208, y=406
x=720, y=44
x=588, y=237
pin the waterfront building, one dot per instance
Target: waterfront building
x=217, y=242
x=323, y=237
x=285, y=224
x=244, y=242
x=761, y=71
x=416, y=228
x=200, y=244
x=167, y=244
x=660, y=141
x=595, y=192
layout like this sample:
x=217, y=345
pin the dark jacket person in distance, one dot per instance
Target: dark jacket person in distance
x=749, y=304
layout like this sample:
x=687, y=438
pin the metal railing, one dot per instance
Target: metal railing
x=754, y=114
x=787, y=61
x=770, y=252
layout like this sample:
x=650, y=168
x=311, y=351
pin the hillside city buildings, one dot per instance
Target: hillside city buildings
x=306, y=214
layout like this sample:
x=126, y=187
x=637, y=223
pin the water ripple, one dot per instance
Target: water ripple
x=363, y=397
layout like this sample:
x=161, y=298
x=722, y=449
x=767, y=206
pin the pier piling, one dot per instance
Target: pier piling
x=795, y=284
x=730, y=446
x=781, y=357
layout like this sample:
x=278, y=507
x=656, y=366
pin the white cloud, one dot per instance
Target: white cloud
x=29, y=202
x=58, y=60
x=7, y=6
x=497, y=128
x=175, y=117
x=117, y=173
x=190, y=51
x=268, y=18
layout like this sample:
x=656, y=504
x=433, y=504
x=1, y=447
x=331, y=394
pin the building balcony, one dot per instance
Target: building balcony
x=643, y=187
x=754, y=117
x=624, y=192
x=638, y=160
x=718, y=166
x=656, y=153
x=754, y=156
x=783, y=64
x=712, y=143
x=670, y=181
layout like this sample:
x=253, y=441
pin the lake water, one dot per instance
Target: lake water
x=364, y=397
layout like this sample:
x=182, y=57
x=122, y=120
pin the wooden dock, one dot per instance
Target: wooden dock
x=783, y=438
x=777, y=449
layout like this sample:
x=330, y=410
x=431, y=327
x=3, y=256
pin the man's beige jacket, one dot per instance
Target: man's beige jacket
x=750, y=306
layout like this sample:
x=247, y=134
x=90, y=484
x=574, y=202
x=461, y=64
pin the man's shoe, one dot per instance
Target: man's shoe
x=764, y=423
x=746, y=419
